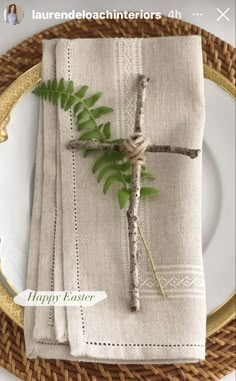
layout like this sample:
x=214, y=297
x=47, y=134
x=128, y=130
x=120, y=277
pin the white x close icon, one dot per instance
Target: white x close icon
x=223, y=14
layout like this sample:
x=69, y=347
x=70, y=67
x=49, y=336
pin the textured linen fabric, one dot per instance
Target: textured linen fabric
x=79, y=238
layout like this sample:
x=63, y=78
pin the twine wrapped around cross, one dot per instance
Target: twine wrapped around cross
x=136, y=146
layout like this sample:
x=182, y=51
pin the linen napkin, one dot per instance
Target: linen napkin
x=79, y=237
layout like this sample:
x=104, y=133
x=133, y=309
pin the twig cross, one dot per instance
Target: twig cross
x=135, y=146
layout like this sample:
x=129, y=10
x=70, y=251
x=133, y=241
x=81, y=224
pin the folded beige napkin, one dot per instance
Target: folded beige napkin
x=79, y=237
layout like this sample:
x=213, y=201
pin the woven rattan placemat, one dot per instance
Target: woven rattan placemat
x=220, y=358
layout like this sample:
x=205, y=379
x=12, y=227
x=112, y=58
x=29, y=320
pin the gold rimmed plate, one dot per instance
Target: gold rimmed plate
x=18, y=134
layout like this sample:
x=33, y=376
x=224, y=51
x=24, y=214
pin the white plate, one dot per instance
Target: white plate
x=17, y=157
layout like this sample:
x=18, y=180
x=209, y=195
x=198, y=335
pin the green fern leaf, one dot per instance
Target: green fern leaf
x=41, y=90
x=55, y=98
x=78, y=107
x=110, y=180
x=82, y=91
x=49, y=84
x=145, y=191
x=70, y=101
x=104, y=171
x=123, y=197
x=64, y=97
x=43, y=86
x=54, y=85
x=49, y=89
x=88, y=151
x=128, y=178
x=97, y=112
x=61, y=85
x=70, y=87
x=100, y=161
x=123, y=167
x=147, y=175
x=107, y=130
x=117, y=156
x=83, y=116
x=89, y=124
x=93, y=134
x=90, y=102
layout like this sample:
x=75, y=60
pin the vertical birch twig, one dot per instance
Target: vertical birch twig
x=136, y=157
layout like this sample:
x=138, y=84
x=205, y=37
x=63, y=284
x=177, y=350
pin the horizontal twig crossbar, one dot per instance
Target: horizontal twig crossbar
x=98, y=146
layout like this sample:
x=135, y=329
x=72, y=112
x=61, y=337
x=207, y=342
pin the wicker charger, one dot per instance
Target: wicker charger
x=220, y=358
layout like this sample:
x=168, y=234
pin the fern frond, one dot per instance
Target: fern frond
x=113, y=164
x=59, y=92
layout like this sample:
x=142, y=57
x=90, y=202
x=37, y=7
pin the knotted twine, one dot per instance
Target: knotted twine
x=136, y=146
